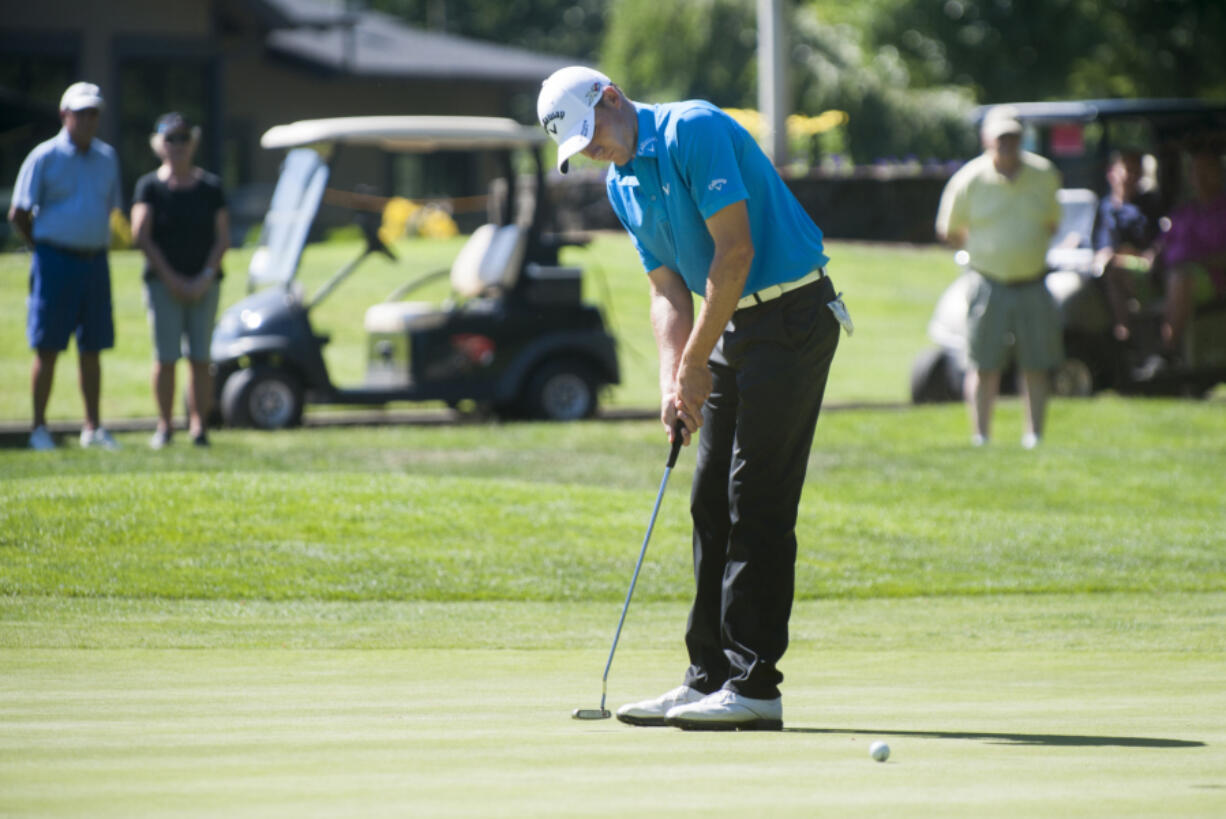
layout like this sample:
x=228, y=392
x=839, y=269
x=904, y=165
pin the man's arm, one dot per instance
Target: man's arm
x=23, y=222
x=734, y=251
x=672, y=320
x=951, y=222
x=27, y=194
x=954, y=238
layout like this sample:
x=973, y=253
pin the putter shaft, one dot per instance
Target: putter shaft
x=655, y=510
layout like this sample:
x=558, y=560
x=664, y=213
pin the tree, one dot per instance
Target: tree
x=888, y=117
x=683, y=49
x=1044, y=49
x=572, y=28
x=677, y=49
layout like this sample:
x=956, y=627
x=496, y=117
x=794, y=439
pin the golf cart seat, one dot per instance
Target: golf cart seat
x=488, y=263
x=1071, y=247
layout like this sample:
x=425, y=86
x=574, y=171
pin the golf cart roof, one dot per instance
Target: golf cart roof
x=1091, y=110
x=408, y=133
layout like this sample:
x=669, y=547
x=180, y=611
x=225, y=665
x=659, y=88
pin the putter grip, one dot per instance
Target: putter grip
x=677, y=440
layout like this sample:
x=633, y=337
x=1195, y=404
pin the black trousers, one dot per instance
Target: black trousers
x=770, y=370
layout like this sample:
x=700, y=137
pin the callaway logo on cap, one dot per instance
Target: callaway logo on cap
x=565, y=105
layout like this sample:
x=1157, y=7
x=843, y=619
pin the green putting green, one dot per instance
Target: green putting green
x=991, y=706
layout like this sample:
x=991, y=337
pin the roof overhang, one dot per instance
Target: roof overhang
x=407, y=133
x=1091, y=110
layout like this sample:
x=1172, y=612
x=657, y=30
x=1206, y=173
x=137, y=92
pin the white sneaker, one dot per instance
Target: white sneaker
x=978, y=440
x=1030, y=440
x=99, y=438
x=728, y=711
x=652, y=712
x=41, y=440
x=160, y=440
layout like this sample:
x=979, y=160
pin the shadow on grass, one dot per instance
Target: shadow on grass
x=1017, y=739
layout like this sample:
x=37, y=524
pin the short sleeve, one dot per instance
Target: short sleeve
x=143, y=192
x=952, y=214
x=708, y=161
x=216, y=194
x=1102, y=227
x=28, y=187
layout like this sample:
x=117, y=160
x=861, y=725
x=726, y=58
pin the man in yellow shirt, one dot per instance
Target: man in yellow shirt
x=1002, y=208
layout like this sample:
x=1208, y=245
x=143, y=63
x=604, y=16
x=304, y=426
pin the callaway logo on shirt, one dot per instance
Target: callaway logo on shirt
x=717, y=184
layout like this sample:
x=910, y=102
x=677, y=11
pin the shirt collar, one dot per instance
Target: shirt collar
x=649, y=138
x=67, y=144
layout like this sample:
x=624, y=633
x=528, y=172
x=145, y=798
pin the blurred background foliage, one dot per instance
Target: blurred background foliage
x=905, y=72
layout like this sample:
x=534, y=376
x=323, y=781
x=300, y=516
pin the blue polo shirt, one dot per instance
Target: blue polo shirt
x=693, y=160
x=69, y=192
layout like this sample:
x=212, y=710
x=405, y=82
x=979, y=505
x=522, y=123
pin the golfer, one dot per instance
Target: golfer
x=708, y=214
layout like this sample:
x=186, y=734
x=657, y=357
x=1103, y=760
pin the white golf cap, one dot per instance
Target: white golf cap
x=565, y=108
x=82, y=95
x=1001, y=120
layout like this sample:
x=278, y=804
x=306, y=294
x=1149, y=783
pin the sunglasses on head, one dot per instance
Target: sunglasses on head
x=177, y=139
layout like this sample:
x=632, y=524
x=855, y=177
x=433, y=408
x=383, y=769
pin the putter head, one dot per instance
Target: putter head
x=591, y=713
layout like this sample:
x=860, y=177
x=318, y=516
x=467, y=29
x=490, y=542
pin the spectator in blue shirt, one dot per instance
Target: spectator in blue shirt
x=62, y=203
x=708, y=214
x=1125, y=237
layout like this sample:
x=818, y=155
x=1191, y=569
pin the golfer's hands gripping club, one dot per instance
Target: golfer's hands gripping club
x=682, y=406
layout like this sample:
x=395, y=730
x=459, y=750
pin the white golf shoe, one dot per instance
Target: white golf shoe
x=652, y=712
x=98, y=438
x=728, y=711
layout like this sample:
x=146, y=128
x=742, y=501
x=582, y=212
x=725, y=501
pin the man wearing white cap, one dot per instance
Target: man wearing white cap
x=708, y=214
x=62, y=203
x=1002, y=208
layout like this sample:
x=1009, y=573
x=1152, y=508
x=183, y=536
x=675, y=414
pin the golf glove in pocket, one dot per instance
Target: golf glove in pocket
x=840, y=312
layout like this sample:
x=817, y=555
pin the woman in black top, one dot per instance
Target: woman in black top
x=179, y=220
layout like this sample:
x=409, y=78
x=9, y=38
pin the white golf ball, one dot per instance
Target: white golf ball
x=879, y=751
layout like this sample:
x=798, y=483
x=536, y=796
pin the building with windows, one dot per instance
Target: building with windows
x=238, y=67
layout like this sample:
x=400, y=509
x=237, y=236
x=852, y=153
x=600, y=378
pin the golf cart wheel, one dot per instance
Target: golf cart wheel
x=935, y=378
x=1073, y=379
x=262, y=397
x=561, y=391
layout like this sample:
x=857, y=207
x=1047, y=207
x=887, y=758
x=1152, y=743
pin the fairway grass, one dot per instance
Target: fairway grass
x=1122, y=496
x=399, y=621
x=1086, y=705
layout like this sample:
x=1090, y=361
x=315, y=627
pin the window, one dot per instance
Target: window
x=30, y=90
x=150, y=87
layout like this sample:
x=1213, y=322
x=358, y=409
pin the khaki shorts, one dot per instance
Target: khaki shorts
x=1024, y=314
x=181, y=330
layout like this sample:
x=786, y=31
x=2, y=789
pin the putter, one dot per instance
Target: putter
x=602, y=712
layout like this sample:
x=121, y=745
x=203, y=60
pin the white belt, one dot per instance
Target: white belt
x=777, y=290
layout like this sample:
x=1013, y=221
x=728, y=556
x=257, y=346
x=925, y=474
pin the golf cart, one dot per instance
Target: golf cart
x=1078, y=137
x=513, y=338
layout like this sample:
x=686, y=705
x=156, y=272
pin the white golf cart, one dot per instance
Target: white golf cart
x=514, y=337
x=1079, y=136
